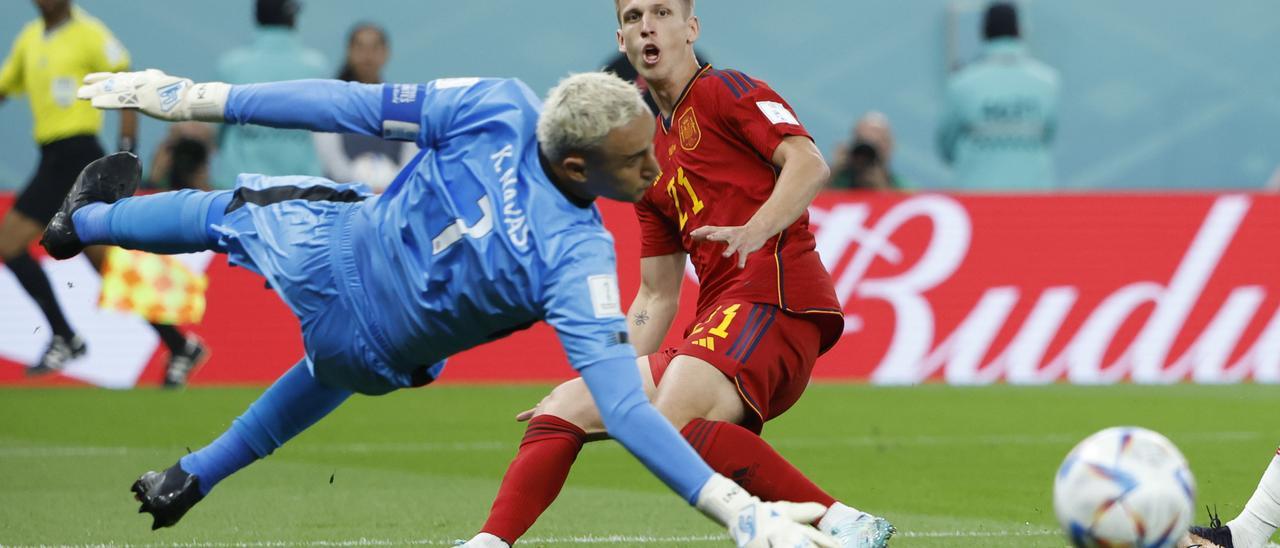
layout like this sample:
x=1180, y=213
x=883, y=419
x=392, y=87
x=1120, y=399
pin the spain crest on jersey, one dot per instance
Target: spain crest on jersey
x=690, y=134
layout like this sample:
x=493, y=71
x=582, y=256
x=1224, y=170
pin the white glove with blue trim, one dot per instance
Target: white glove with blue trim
x=756, y=524
x=156, y=94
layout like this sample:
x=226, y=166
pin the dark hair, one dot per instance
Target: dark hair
x=1001, y=20
x=277, y=13
x=189, y=156
x=348, y=73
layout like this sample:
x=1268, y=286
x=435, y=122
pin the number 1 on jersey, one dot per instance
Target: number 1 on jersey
x=453, y=233
x=696, y=205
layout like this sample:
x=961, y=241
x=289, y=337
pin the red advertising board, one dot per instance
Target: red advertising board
x=967, y=289
x=1036, y=289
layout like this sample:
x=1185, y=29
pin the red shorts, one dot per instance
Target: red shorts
x=767, y=352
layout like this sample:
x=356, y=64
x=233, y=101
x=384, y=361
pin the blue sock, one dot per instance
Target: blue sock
x=92, y=222
x=294, y=403
x=218, y=460
x=169, y=222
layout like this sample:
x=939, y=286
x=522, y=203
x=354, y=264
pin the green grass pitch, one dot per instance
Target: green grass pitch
x=949, y=466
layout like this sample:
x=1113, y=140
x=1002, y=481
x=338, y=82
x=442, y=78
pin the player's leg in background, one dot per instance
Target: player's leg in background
x=1257, y=521
x=186, y=352
x=21, y=226
x=60, y=164
x=292, y=404
x=17, y=231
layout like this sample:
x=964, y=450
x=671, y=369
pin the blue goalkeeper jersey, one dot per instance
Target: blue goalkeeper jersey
x=472, y=241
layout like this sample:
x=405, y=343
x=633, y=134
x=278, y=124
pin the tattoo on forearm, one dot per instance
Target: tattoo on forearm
x=640, y=317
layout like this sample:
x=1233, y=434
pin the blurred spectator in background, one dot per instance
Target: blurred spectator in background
x=276, y=54
x=182, y=159
x=352, y=157
x=1000, y=113
x=865, y=164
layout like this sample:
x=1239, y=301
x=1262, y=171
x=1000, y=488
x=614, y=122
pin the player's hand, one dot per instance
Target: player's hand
x=525, y=415
x=756, y=524
x=742, y=240
x=156, y=94
x=776, y=524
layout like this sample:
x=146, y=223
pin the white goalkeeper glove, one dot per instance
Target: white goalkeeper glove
x=756, y=524
x=156, y=94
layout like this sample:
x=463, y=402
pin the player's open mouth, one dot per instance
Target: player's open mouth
x=650, y=54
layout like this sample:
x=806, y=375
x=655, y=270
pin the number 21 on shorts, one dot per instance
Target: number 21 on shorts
x=721, y=330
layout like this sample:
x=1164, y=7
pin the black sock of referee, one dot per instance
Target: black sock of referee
x=34, y=280
x=172, y=338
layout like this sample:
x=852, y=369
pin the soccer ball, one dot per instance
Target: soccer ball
x=1124, y=486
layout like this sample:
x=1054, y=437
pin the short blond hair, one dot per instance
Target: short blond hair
x=581, y=111
x=688, y=8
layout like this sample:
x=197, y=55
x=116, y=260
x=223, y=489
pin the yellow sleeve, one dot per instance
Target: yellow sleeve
x=109, y=54
x=11, y=73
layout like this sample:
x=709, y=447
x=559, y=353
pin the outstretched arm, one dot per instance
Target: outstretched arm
x=384, y=110
x=318, y=105
x=630, y=418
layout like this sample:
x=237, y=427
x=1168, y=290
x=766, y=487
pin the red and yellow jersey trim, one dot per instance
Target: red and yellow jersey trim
x=665, y=124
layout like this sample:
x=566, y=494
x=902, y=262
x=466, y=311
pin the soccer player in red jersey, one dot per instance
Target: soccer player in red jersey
x=738, y=174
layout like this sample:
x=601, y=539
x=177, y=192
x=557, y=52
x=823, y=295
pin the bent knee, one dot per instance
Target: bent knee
x=680, y=414
x=682, y=403
x=572, y=402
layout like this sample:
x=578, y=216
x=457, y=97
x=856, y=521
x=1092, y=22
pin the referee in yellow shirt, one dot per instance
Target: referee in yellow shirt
x=48, y=61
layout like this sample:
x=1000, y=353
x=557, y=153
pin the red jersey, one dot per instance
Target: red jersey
x=715, y=154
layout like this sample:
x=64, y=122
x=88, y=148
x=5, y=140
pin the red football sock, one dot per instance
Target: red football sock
x=533, y=480
x=747, y=459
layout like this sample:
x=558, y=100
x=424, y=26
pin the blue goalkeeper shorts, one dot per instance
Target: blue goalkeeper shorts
x=286, y=229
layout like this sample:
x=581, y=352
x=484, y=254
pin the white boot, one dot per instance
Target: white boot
x=855, y=528
x=483, y=540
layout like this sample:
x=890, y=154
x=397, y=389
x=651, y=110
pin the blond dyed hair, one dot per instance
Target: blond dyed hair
x=582, y=109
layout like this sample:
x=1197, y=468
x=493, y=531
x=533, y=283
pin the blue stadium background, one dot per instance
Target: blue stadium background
x=1157, y=93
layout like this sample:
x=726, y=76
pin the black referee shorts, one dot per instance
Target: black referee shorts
x=60, y=163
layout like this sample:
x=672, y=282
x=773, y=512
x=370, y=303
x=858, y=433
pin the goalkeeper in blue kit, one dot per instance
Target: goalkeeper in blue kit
x=489, y=229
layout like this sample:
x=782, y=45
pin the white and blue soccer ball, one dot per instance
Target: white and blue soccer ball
x=1124, y=486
